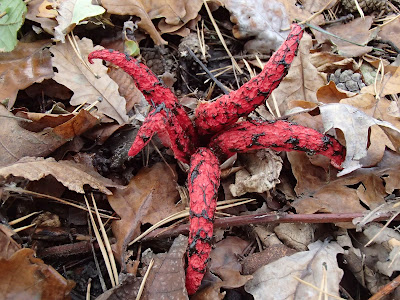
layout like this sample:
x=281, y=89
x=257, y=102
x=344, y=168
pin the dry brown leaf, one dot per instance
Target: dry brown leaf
x=41, y=121
x=126, y=87
x=167, y=276
x=225, y=254
x=72, y=175
x=26, y=64
x=149, y=197
x=24, y=276
x=16, y=142
x=356, y=31
x=330, y=94
x=86, y=87
x=35, y=11
x=321, y=191
x=174, y=14
x=7, y=244
x=256, y=260
x=328, y=62
x=302, y=81
x=391, y=32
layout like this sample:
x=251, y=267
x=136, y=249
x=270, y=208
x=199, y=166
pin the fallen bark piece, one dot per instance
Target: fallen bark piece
x=203, y=183
x=280, y=136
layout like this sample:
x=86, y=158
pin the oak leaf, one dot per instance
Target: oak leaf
x=17, y=142
x=86, y=87
x=72, y=175
x=173, y=14
x=303, y=79
x=7, y=244
x=149, y=197
x=24, y=276
x=26, y=64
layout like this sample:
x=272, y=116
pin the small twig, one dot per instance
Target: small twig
x=266, y=219
x=217, y=82
x=13, y=222
x=2, y=14
x=141, y=288
x=221, y=37
x=386, y=289
x=101, y=244
x=88, y=288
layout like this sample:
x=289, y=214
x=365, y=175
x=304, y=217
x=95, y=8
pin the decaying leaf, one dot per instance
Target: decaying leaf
x=26, y=64
x=356, y=31
x=391, y=31
x=297, y=236
x=277, y=280
x=149, y=197
x=86, y=87
x=24, y=276
x=70, y=174
x=174, y=14
x=302, y=81
x=7, y=244
x=167, y=276
x=321, y=191
x=71, y=12
x=35, y=13
x=225, y=255
x=260, y=174
x=17, y=142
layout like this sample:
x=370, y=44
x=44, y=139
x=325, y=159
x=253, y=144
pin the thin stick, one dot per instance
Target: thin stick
x=101, y=245
x=221, y=37
x=380, y=231
x=107, y=243
x=386, y=289
x=268, y=219
x=88, y=288
x=360, y=11
x=217, y=82
x=22, y=191
x=316, y=288
x=141, y=288
x=16, y=221
x=24, y=227
x=313, y=16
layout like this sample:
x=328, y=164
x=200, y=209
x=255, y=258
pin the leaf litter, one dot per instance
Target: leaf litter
x=293, y=261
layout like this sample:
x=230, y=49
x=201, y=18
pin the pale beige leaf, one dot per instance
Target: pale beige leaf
x=355, y=125
x=277, y=279
x=26, y=64
x=70, y=13
x=86, y=87
x=72, y=175
x=302, y=81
